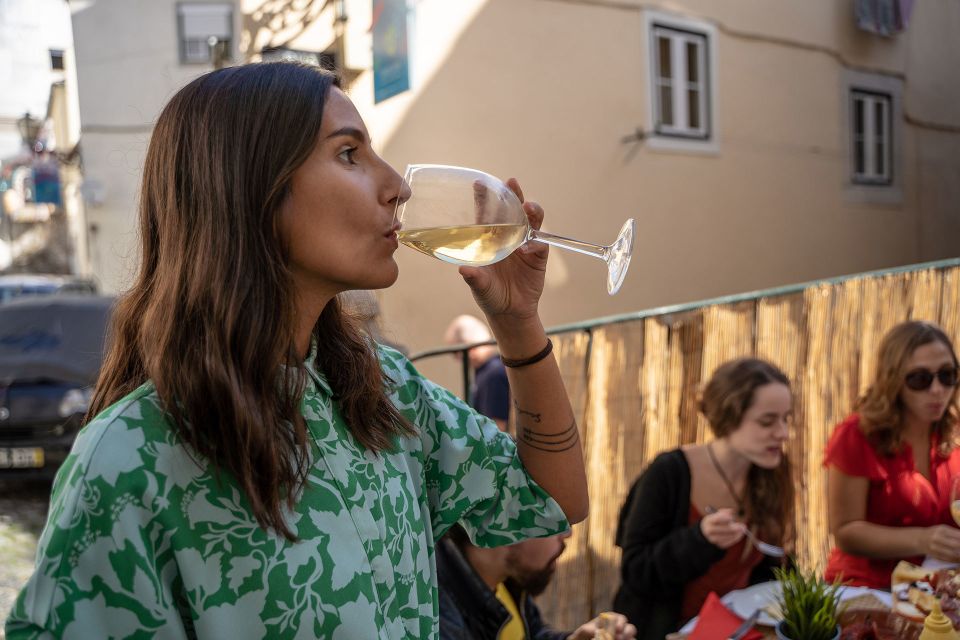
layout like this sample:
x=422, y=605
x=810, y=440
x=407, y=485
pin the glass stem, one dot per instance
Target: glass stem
x=586, y=248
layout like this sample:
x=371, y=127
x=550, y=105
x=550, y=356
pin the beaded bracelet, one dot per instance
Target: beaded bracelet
x=522, y=362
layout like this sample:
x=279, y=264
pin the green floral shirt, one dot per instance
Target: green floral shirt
x=143, y=541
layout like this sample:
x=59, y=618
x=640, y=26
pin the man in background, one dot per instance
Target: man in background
x=487, y=594
x=490, y=392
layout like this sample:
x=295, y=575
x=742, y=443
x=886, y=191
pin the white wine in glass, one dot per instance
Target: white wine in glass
x=469, y=217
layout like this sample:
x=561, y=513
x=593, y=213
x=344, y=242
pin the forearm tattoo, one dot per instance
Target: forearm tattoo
x=551, y=442
x=523, y=412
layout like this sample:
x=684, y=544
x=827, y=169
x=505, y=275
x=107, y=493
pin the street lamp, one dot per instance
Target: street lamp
x=29, y=129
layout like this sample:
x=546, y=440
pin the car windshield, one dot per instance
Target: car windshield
x=9, y=292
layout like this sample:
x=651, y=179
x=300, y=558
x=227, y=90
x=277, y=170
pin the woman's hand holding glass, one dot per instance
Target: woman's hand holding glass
x=469, y=217
x=512, y=286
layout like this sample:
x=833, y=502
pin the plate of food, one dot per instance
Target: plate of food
x=762, y=596
x=915, y=588
x=765, y=595
x=876, y=624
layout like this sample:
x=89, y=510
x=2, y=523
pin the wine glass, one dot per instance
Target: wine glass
x=955, y=499
x=469, y=217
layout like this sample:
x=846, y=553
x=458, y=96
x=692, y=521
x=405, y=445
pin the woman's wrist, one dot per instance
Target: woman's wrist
x=519, y=339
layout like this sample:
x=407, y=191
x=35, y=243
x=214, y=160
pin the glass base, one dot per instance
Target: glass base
x=618, y=258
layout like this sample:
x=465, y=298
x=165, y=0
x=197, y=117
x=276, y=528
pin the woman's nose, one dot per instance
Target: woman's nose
x=783, y=429
x=401, y=192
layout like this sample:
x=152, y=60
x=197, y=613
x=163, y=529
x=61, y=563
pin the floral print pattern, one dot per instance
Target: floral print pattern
x=145, y=540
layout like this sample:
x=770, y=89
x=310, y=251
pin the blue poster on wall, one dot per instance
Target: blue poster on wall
x=391, y=68
x=46, y=182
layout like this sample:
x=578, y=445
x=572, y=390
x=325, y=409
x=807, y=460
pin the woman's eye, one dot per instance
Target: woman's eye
x=347, y=155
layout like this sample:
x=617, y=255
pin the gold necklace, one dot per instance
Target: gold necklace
x=741, y=511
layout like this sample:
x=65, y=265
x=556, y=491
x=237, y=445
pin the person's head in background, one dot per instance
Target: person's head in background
x=915, y=385
x=748, y=406
x=467, y=329
x=363, y=306
x=533, y=562
x=530, y=564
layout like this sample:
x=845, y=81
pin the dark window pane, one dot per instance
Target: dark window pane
x=693, y=63
x=878, y=119
x=663, y=57
x=858, y=116
x=858, y=160
x=880, y=159
x=693, y=108
x=666, y=105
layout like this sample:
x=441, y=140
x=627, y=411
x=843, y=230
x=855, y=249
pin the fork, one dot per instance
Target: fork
x=765, y=548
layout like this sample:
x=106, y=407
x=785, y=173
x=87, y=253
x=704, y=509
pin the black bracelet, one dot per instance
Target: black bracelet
x=522, y=362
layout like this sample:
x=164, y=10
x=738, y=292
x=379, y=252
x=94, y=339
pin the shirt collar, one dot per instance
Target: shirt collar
x=313, y=372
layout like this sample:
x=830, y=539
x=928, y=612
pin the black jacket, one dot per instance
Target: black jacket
x=469, y=610
x=662, y=551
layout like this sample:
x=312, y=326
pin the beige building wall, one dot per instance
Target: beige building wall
x=547, y=91
x=128, y=66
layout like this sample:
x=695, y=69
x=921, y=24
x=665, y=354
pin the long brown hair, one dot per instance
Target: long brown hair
x=725, y=399
x=210, y=319
x=880, y=407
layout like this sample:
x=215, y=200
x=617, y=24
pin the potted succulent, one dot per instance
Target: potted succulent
x=809, y=606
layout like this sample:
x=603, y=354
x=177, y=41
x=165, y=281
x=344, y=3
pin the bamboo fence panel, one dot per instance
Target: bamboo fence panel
x=615, y=406
x=816, y=409
x=635, y=386
x=887, y=301
x=662, y=431
x=686, y=362
x=780, y=331
x=832, y=380
x=727, y=334
x=950, y=304
x=927, y=286
x=565, y=597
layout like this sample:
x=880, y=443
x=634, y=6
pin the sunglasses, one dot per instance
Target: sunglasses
x=921, y=379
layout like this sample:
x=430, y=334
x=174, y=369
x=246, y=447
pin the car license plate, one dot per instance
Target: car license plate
x=21, y=458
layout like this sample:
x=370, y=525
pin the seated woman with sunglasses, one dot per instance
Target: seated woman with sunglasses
x=890, y=464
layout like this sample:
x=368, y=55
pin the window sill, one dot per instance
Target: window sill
x=683, y=145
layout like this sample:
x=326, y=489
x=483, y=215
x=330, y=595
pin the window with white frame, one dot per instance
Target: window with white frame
x=681, y=83
x=872, y=143
x=206, y=31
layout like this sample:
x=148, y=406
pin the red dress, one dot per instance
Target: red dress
x=731, y=572
x=899, y=496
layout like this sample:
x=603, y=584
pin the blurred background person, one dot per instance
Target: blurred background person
x=891, y=463
x=487, y=594
x=682, y=527
x=363, y=305
x=490, y=391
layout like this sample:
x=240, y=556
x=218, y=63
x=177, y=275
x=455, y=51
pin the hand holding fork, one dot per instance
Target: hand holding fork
x=716, y=530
